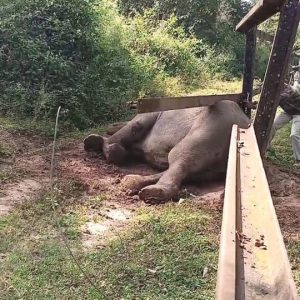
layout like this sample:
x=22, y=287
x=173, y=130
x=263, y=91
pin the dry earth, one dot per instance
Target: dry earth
x=28, y=174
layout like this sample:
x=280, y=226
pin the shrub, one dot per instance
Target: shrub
x=84, y=56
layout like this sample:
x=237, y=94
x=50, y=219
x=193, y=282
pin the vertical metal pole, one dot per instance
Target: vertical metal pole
x=276, y=72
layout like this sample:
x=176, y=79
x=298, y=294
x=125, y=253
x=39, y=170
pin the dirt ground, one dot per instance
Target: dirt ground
x=27, y=172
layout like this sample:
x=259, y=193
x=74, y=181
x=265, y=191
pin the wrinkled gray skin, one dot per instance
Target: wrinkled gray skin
x=184, y=144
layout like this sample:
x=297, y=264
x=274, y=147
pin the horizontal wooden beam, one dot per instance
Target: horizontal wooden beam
x=253, y=262
x=146, y=105
x=226, y=281
x=261, y=11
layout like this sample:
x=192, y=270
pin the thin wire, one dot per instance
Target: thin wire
x=56, y=218
x=53, y=149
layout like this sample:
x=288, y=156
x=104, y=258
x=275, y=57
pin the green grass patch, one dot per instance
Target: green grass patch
x=27, y=126
x=5, y=150
x=281, y=151
x=161, y=255
x=44, y=129
x=219, y=87
x=293, y=247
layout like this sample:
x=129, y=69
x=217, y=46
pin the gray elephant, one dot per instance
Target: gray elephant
x=184, y=145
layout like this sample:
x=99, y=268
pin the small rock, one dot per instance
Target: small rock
x=2, y=255
x=205, y=272
x=181, y=200
x=117, y=214
x=95, y=228
x=117, y=181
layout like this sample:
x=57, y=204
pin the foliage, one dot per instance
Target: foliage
x=79, y=54
x=263, y=51
x=160, y=255
x=212, y=22
x=164, y=43
x=281, y=151
x=261, y=60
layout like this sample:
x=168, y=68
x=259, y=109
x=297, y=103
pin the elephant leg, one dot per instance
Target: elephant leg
x=115, y=147
x=167, y=187
x=114, y=153
x=94, y=142
x=113, y=128
x=135, y=183
x=135, y=130
x=191, y=156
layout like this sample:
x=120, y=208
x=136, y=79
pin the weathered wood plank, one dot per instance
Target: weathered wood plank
x=276, y=72
x=173, y=103
x=267, y=272
x=226, y=281
x=260, y=12
x=249, y=71
x=253, y=262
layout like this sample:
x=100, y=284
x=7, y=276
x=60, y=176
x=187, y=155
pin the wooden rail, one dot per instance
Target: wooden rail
x=253, y=262
x=263, y=10
x=173, y=103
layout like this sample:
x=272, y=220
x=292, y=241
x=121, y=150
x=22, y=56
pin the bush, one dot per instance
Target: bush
x=261, y=60
x=165, y=44
x=84, y=56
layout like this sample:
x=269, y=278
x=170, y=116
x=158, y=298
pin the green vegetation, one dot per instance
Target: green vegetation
x=162, y=255
x=91, y=57
x=281, y=151
x=293, y=248
x=212, y=22
x=87, y=58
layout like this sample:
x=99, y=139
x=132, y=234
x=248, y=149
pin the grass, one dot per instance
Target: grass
x=293, y=248
x=161, y=255
x=44, y=129
x=5, y=150
x=281, y=151
x=17, y=125
x=219, y=87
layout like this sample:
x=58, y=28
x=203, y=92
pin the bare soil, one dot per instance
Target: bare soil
x=30, y=163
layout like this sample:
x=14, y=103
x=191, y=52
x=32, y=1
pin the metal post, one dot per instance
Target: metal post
x=249, y=70
x=276, y=71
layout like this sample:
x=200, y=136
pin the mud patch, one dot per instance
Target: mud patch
x=285, y=190
x=16, y=193
x=30, y=154
x=23, y=173
x=114, y=219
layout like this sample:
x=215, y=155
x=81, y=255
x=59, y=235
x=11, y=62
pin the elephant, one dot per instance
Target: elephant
x=183, y=145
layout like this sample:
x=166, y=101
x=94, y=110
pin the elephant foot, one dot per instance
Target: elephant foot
x=158, y=193
x=93, y=142
x=134, y=183
x=115, y=153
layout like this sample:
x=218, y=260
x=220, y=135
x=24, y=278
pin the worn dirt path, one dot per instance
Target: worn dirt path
x=26, y=175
